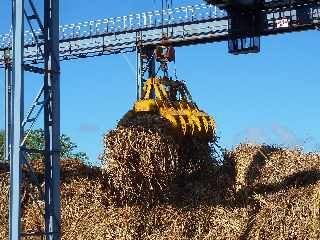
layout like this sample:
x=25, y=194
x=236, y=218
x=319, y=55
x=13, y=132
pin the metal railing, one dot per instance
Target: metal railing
x=128, y=23
x=182, y=26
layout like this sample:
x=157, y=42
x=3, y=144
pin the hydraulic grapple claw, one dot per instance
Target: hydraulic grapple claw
x=172, y=100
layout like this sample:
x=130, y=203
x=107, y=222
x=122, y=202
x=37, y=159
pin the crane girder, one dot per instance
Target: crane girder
x=181, y=26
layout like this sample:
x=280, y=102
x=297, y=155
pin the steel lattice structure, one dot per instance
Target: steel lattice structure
x=40, y=49
x=181, y=26
x=18, y=125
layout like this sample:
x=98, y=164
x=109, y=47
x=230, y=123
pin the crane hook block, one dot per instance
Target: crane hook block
x=165, y=54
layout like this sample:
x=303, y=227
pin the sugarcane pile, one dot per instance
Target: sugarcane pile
x=144, y=159
x=259, y=192
x=283, y=188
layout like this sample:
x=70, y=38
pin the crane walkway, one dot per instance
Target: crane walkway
x=180, y=26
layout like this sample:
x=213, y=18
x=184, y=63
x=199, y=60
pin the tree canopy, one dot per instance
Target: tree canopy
x=35, y=140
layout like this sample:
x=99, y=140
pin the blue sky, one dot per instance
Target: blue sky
x=270, y=97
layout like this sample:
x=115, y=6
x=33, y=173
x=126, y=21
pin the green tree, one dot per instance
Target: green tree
x=35, y=140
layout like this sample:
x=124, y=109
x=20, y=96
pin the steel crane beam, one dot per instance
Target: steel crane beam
x=181, y=26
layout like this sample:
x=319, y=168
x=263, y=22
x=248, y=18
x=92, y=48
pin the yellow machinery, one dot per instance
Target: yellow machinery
x=171, y=99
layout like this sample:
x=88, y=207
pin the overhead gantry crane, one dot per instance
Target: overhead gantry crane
x=187, y=25
x=39, y=50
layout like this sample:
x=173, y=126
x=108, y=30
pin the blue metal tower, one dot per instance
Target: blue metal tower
x=18, y=126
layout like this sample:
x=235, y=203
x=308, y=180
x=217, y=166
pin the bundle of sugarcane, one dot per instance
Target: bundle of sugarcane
x=264, y=166
x=282, y=186
x=4, y=203
x=287, y=212
x=143, y=158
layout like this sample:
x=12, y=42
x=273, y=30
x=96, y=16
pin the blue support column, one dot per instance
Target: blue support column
x=52, y=120
x=51, y=103
x=8, y=108
x=146, y=64
x=152, y=63
x=18, y=111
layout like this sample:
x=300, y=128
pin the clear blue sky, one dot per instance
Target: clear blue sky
x=270, y=97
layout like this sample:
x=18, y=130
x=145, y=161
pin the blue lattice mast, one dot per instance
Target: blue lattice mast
x=47, y=102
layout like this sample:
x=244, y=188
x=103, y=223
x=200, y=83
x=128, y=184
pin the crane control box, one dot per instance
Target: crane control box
x=250, y=19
